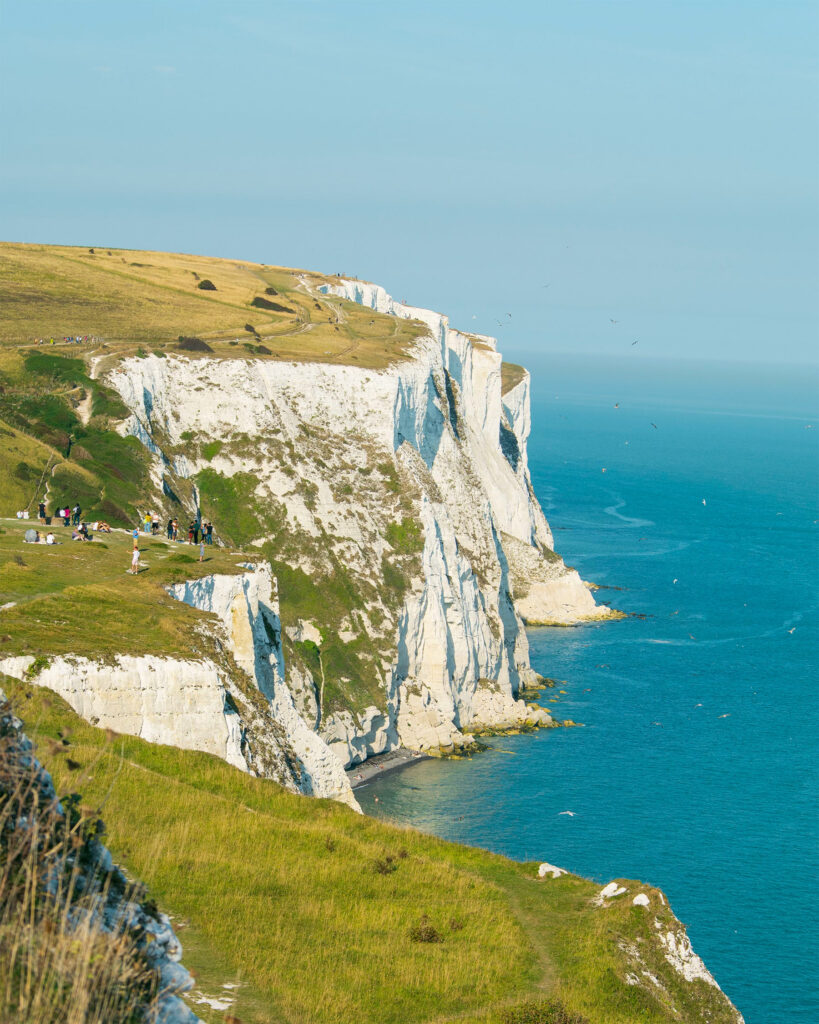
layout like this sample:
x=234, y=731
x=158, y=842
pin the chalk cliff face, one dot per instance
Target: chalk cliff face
x=396, y=509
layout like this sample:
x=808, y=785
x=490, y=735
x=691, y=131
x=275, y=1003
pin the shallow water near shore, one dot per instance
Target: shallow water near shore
x=696, y=766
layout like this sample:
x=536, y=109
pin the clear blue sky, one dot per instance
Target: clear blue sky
x=653, y=163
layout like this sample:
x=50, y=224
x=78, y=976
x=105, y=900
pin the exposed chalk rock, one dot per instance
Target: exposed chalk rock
x=550, y=870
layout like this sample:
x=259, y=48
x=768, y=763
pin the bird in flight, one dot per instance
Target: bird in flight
x=634, y=343
x=792, y=630
x=724, y=716
x=655, y=426
x=570, y=813
x=704, y=501
x=613, y=321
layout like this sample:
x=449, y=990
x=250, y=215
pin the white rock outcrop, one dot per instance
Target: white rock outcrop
x=342, y=456
x=162, y=700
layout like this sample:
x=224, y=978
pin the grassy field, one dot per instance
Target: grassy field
x=138, y=302
x=316, y=912
x=76, y=597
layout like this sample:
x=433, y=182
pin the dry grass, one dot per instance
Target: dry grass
x=139, y=300
x=511, y=376
x=57, y=965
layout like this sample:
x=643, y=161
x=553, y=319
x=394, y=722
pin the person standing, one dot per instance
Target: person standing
x=155, y=524
x=175, y=529
x=196, y=531
x=202, y=550
x=209, y=532
x=170, y=529
x=77, y=512
x=41, y=511
x=134, y=561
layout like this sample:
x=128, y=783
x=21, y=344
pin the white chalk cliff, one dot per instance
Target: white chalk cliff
x=411, y=485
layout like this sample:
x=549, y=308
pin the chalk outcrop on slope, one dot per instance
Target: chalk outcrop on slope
x=396, y=506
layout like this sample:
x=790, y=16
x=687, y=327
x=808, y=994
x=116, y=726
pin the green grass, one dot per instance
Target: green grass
x=284, y=894
x=76, y=598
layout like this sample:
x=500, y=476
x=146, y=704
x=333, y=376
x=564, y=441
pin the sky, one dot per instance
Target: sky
x=569, y=163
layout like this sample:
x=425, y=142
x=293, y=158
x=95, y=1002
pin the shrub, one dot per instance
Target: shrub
x=425, y=931
x=385, y=865
x=206, y=286
x=541, y=1011
x=270, y=290
x=190, y=344
x=261, y=303
x=251, y=329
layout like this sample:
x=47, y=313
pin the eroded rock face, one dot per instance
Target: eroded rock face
x=162, y=700
x=415, y=480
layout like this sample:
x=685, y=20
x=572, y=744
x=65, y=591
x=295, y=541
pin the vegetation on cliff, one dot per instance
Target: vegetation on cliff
x=320, y=915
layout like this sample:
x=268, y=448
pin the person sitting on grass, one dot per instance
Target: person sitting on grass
x=84, y=531
x=103, y=528
x=50, y=538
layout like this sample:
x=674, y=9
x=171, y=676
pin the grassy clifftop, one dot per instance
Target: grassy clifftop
x=320, y=915
x=144, y=301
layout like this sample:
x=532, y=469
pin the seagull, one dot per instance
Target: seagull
x=616, y=405
x=691, y=636
x=698, y=705
x=704, y=501
x=509, y=314
x=675, y=580
x=724, y=716
x=676, y=612
x=570, y=813
x=655, y=426
x=792, y=630
x=603, y=470
x=658, y=723
x=634, y=343
x=614, y=321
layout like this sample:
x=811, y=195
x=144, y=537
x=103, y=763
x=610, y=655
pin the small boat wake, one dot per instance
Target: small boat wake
x=613, y=510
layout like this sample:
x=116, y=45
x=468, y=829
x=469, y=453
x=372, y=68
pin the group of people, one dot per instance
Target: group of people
x=198, y=531
x=71, y=516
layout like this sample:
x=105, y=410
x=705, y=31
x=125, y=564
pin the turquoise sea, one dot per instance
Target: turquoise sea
x=697, y=765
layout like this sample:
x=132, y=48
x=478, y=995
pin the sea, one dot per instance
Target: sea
x=688, y=492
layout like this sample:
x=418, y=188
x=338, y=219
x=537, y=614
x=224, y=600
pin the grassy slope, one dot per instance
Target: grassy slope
x=145, y=300
x=282, y=893
x=75, y=598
